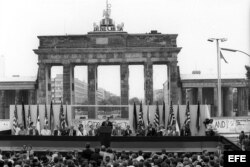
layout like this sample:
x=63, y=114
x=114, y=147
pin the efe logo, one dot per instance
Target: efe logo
x=237, y=158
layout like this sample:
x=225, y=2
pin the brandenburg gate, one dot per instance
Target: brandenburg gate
x=107, y=44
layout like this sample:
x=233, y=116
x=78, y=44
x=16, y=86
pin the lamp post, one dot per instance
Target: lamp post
x=219, y=111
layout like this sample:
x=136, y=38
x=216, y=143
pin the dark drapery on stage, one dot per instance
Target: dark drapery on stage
x=134, y=143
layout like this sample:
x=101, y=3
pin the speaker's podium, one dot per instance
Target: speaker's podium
x=105, y=135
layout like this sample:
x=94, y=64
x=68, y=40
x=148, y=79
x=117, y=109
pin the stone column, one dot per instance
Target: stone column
x=148, y=82
x=32, y=97
x=124, y=73
x=200, y=95
x=173, y=80
x=242, y=98
x=92, y=89
x=228, y=102
x=48, y=83
x=42, y=91
x=2, y=104
x=67, y=83
x=18, y=97
x=215, y=108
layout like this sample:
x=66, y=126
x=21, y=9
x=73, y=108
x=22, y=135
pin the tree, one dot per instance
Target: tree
x=134, y=100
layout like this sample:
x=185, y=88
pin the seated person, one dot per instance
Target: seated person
x=127, y=131
x=22, y=131
x=71, y=131
x=140, y=131
x=150, y=130
x=117, y=131
x=33, y=131
x=46, y=131
x=56, y=131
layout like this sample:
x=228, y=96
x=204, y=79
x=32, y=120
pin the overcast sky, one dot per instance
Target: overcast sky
x=21, y=21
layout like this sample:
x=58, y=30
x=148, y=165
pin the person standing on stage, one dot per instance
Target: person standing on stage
x=92, y=131
x=107, y=123
x=80, y=130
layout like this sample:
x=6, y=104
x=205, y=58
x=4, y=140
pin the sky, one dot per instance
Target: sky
x=21, y=21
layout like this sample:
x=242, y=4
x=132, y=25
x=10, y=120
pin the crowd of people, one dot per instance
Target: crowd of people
x=94, y=130
x=107, y=157
x=244, y=141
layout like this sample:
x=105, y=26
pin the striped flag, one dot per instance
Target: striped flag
x=157, y=120
x=141, y=121
x=171, y=118
x=62, y=118
x=163, y=114
x=15, y=118
x=135, y=118
x=23, y=116
x=51, y=117
x=198, y=119
x=46, y=121
x=38, y=125
x=188, y=119
x=29, y=117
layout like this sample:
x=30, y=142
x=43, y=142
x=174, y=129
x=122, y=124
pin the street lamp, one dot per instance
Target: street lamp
x=218, y=70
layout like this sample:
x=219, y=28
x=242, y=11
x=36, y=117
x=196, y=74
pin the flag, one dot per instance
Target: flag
x=148, y=121
x=23, y=115
x=163, y=114
x=156, y=120
x=188, y=119
x=207, y=112
x=38, y=126
x=198, y=119
x=178, y=121
x=66, y=117
x=141, y=121
x=29, y=117
x=135, y=118
x=171, y=118
x=62, y=118
x=46, y=121
x=51, y=117
x=222, y=57
x=15, y=118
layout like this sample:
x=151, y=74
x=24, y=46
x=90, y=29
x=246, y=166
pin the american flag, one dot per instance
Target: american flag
x=15, y=118
x=157, y=120
x=141, y=122
x=46, y=121
x=29, y=117
x=38, y=126
x=171, y=119
x=188, y=118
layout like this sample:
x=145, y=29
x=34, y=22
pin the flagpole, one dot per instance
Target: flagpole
x=219, y=111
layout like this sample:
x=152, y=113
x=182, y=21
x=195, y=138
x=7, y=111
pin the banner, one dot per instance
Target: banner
x=4, y=124
x=232, y=124
x=96, y=122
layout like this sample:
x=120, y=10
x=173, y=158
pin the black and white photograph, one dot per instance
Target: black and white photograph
x=124, y=83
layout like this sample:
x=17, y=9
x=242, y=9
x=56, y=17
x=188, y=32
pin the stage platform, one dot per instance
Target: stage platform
x=133, y=143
